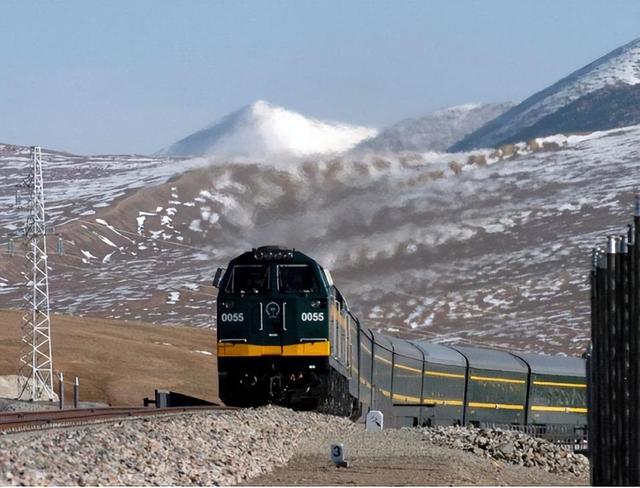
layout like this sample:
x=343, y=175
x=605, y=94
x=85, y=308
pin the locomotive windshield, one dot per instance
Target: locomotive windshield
x=249, y=279
x=296, y=278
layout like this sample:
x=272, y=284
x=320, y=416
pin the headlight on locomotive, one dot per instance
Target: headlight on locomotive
x=269, y=253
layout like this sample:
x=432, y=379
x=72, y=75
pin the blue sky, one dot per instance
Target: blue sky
x=134, y=76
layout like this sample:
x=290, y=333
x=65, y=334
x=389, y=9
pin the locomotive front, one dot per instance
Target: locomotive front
x=273, y=342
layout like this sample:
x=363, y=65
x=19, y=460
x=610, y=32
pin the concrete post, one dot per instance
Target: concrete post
x=76, y=393
x=61, y=391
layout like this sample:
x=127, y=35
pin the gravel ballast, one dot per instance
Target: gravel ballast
x=201, y=449
x=510, y=446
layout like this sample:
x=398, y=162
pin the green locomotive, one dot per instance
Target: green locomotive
x=284, y=333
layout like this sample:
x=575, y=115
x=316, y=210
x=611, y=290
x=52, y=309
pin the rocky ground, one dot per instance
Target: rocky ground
x=10, y=405
x=512, y=447
x=270, y=446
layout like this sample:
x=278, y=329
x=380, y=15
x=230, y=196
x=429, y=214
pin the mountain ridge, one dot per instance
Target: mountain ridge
x=604, y=109
x=622, y=65
x=433, y=132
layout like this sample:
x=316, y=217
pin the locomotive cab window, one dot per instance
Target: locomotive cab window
x=294, y=278
x=248, y=279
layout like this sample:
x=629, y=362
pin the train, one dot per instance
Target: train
x=286, y=335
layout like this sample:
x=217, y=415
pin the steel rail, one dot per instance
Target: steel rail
x=25, y=421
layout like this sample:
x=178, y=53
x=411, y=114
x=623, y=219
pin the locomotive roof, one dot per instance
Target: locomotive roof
x=554, y=365
x=490, y=359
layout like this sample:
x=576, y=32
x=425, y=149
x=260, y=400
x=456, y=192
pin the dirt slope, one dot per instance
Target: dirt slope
x=441, y=467
x=122, y=362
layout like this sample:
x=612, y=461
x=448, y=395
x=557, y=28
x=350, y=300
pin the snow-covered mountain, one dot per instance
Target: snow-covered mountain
x=618, y=69
x=434, y=132
x=262, y=130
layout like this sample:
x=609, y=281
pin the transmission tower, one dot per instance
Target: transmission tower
x=35, y=377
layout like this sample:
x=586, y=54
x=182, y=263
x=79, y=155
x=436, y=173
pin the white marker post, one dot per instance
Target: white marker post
x=337, y=456
x=374, y=421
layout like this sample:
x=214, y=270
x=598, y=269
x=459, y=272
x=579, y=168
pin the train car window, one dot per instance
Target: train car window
x=294, y=278
x=249, y=279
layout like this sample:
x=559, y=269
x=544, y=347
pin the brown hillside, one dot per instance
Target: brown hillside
x=122, y=362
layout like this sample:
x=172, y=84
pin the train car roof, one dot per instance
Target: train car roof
x=405, y=349
x=367, y=331
x=438, y=354
x=554, y=365
x=491, y=359
x=381, y=340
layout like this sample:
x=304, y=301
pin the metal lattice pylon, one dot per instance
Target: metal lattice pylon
x=36, y=366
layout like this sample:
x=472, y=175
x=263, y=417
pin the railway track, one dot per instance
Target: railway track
x=17, y=422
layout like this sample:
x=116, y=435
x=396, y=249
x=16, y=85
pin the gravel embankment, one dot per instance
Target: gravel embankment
x=512, y=447
x=201, y=449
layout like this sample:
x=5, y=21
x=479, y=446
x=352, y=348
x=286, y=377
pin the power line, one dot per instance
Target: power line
x=124, y=231
x=102, y=271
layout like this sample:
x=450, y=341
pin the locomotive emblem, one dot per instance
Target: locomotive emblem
x=273, y=310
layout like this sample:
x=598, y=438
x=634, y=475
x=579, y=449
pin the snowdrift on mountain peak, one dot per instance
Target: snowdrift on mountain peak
x=261, y=130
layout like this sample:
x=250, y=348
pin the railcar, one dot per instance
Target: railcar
x=286, y=336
